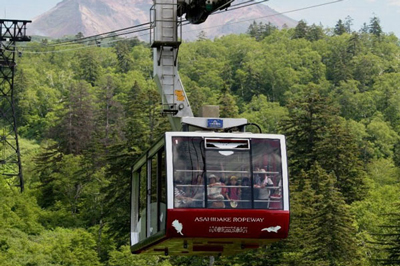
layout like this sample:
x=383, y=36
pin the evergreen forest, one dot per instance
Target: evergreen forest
x=86, y=112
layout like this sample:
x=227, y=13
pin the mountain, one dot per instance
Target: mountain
x=92, y=17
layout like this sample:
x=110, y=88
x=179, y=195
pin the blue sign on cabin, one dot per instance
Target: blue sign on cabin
x=215, y=123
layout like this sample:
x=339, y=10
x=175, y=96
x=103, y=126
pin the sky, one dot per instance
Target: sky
x=325, y=12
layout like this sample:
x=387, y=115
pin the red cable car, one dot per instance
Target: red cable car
x=207, y=193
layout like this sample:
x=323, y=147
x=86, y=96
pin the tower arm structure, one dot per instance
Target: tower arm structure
x=165, y=43
x=166, y=31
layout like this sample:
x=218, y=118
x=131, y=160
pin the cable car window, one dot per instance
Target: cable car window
x=153, y=217
x=267, y=173
x=188, y=165
x=226, y=171
x=142, y=204
x=163, y=190
x=135, y=225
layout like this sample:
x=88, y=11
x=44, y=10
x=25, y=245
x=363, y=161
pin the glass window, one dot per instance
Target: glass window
x=154, y=196
x=135, y=225
x=226, y=168
x=188, y=163
x=227, y=173
x=267, y=173
x=163, y=190
x=142, y=204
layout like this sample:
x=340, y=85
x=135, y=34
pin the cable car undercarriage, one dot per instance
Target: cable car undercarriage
x=197, y=11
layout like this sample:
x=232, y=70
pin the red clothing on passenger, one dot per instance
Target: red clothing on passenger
x=234, y=193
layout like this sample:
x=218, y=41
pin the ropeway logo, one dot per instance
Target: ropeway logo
x=215, y=123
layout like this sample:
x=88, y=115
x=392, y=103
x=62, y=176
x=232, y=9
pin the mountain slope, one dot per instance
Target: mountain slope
x=91, y=17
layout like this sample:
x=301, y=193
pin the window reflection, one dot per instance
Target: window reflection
x=217, y=174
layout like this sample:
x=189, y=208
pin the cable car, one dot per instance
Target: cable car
x=211, y=188
x=208, y=193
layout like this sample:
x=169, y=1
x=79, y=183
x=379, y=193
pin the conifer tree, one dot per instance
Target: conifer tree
x=301, y=30
x=375, y=27
x=88, y=66
x=340, y=28
x=302, y=209
x=309, y=112
x=389, y=240
x=109, y=122
x=333, y=239
x=348, y=22
x=354, y=45
x=228, y=106
x=75, y=128
x=254, y=30
x=315, y=33
x=144, y=125
x=125, y=61
x=339, y=155
x=316, y=134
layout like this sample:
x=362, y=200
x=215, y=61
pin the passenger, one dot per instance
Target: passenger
x=256, y=180
x=263, y=191
x=233, y=191
x=218, y=203
x=181, y=200
x=181, y=195
x=245, y=193
x=216, y=191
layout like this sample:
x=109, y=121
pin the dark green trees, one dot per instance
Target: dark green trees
x=325, y=175
x=340, y=28
x=316, y=134
x=75, y=128
x=389, y=239
x=335, y=90
x=375, y=27
x=260, y=31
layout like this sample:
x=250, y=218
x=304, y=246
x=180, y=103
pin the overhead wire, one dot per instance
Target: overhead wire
x=241, y=5
x=109, y=34
x=112, y=34
x=273, y=15
x=123, y=32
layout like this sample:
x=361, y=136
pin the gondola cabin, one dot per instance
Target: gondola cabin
x=206, y=193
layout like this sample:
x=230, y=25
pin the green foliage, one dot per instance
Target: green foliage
x=311, y=33
x=58, y=247
x=340, y=28
x=265, y=114
x=388, y=240
x=375, y=27
x=94, y=111
x=316, y=134
x=260, y=31
x=333, y=238
x=382, y=136
x=124, y=257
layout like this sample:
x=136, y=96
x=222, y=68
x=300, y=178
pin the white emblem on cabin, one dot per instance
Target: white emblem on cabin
x=178, y=226
x=274, y=229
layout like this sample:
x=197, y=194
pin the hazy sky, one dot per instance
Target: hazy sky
x=388, y=11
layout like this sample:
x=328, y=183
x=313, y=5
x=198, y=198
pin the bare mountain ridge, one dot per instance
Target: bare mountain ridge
x=92, y=17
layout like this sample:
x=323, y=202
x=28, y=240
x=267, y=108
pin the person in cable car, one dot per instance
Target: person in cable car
x=216, y=192
x=263, y=183
x=181, y=198
x=233, y=192
x=245, y=194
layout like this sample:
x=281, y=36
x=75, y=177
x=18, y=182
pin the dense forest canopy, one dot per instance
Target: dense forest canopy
x=86, y=112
